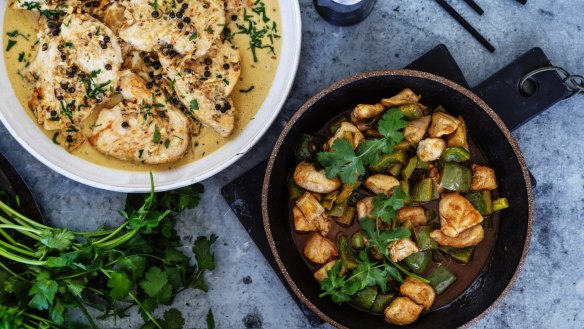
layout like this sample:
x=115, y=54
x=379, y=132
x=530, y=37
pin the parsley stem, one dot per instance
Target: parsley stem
x=21, y=229
x=15, y=248
x=7, y=269
x=408, y=273
x=118, y=241
x=16, y=215
x=6, y=254
x=47, y=321
x=112, y=234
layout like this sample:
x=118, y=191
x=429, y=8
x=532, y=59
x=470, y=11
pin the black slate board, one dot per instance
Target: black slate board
x=243, y=194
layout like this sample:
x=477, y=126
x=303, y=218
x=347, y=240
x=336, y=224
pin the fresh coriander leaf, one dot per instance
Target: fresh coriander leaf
x=64, y=260
x=175, y=275
x=202, y=250
x=171, y=255
x=173, y=319
x=210, y=320
x=199, y=283
x=369, y=273
x=342, y=162
x=193, y=36
x=43, y=291
x=11, y=43
x=394, y=273
x=133, y=264
x=183, y=198
x=56, y=313
x=385, y=207
x=120, y=284
x=381, y=240
x=75, y=287
x=155, y=282
x=334, y=285
x=59, y=239
x=390, y=125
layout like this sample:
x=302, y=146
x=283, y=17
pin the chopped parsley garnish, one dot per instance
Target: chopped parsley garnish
x=69, y=44
x=247, y=90
x=167, y=143
x=55, y=135
x=193, y=36
x=66, y=109
x=15, y=34
x=194, y=105
x=11, y=43
x=258, y=29
x=156, y=135
x=140, y=152
x=154, y=4
x=21, y=57
x=92, y=89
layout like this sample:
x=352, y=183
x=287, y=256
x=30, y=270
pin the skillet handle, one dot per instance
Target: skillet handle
x=501, y=91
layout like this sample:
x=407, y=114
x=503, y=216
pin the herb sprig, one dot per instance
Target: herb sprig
x=344, y=162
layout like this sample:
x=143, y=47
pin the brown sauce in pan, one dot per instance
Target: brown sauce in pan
x=465, y=273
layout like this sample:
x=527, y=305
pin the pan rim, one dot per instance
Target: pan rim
x=401, y=73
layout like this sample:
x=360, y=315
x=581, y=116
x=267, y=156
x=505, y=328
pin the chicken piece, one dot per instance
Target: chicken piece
x=416, y=129
x=406, y=96
x=347, y=130
x=457, y=214
x=204, y=83
x=113, y=16
x=483, y=178
x=401, y=249
x=434, y=174
x=419, y=292
x=201, y=26
x=431, y=149
x=470, y=237
x=415, y=215
x=322, y=274
x=442, y=124
x=458, y=138
x=307, y=177
x=62, y=5
x=313, y=211
x=319, y=249
x=402, y=311
x=366, y=112
x=73, y=73
x=364, y=207
x=301, y=224
x=381, y=184
x=139, y=131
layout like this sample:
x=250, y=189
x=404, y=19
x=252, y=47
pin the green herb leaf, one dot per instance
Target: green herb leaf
x=11, y=43
x=202, y=249
x=193, y=36
x=247, y=90
x=385, y=207
x=173, y=319
x=43, y=291
x=380, y=240
x=133, y=264
x=156, y=281
x=369, y=273
x=342, y=162
x=334, y=285
x=59, y=239
x=120, y=284
x=156, y=135
x=194, y=105
x=210, y=320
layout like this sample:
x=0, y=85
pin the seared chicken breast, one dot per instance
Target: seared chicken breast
x=203, y=85
x=142, y=128
x=73, y=72
x=190, y=27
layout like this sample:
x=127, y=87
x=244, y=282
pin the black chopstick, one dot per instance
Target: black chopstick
x=475, y=6
x=466, y=25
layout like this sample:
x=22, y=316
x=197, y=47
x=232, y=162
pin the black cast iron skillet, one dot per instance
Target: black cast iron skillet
x=486, y=129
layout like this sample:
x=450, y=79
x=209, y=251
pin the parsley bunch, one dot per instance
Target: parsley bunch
x=344, y=162
x=44, y=270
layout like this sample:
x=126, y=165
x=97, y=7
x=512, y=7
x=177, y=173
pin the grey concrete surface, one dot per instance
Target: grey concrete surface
x=245, y=293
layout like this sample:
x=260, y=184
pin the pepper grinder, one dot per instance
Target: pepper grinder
x=344, y=12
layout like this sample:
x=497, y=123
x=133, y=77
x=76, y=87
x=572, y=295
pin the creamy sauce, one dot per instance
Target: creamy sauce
x=259, y=74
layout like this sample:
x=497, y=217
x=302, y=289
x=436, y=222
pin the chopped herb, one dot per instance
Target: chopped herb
x=209, y=30
x=21, y=57
x=11, y=44
x=15, y=34
x=72, y=129
x=167, y=143
x=225, y=81
x=154, y=4
x=97, y=30
x=140, y=152
x=55, y=135
x=193, y=36
x=66, y=109
x=156, y=135
x=194, y=105
x=247, y=90
x=69, y=44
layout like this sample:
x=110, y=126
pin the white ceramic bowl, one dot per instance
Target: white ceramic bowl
x=25, y=131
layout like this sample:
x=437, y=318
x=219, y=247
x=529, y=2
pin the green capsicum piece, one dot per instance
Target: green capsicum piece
x=345, y=193
x=455, y=154
x=405, y=185
x=478, y=201
x=456, y=177
x=395, y=169
x=407, y=171
x=441, y=278
x=411, y=111
x=463, y=255
x=336, y=124
x=337, y=209
x=419, y=261
x=365, y=298
x=500, y=204
x=381, y=302
x=422, y=191
x=348, y=215
x=329, y=199
x=294, y=190
x=346, y=253
x=358, y=241
x=307, y=147
x=423, y=239
x=386, y=160
x=402, y=146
